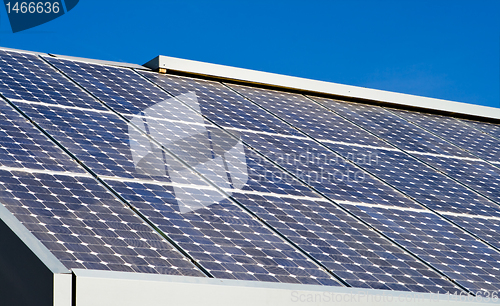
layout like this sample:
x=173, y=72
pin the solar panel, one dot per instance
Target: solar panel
x=194, y=177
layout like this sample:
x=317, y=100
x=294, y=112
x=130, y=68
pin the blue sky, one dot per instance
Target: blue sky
x=441, y=49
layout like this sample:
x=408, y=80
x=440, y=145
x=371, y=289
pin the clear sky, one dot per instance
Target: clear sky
x=441, y=49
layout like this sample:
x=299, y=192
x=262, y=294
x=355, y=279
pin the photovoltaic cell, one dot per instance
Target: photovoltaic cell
x=400, y=170
x=218, y=234
x=85, y=227
x=22, y=146
x=392, y=128
x=161, y=116
x=300, y=112
x=354, y=252
x=438, y=192
x=459, y=204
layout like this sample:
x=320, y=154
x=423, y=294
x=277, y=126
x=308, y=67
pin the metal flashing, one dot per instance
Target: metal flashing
x=50, y=261
x=321, y=87
x=125, y=288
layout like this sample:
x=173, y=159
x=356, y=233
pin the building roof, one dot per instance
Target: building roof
x=232, y=180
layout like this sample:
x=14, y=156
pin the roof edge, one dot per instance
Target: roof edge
x=321, y=87
x=40, y=250
x=99, y=287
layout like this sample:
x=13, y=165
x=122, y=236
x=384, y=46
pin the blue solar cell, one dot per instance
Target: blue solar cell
x=424, y=184
x=265, y=130
x=474, y=173
x=322, y=169
x=83, y=225
x=68, y=210
x=344, y=245
x=457, y=203
x=302, y=113
x=267, y=97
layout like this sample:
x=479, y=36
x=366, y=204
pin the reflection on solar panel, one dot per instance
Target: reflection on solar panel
x=132, y=170
x=81, y=222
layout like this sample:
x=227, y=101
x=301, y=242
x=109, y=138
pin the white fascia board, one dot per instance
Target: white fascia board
x=95, y=288
x=63, y=289
x=40, y=250
x=314, y=86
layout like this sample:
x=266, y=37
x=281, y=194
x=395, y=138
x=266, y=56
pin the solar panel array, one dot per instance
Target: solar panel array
x=130, y=170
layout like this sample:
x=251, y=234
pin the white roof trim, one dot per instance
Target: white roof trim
x=40, y=250
x=302, y=84
x=95, y=288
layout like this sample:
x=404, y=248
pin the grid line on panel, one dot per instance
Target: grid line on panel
x=409, y=153
x=267, y=225
x=419, y=210
x=442, y=155
x=62, y=106
x=317, y=191
x=67, y=173
x=103, y=183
